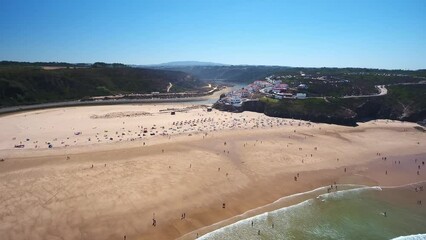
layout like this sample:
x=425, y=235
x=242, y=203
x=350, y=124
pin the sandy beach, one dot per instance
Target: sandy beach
x=105, y=172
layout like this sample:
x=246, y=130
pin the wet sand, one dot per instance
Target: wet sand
x=244, y=160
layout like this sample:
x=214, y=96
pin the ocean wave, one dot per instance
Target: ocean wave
x=421, y=236
x=324, y=188
x=290, y=210
x=257, y=218
x=353, y=210
x=414, y=184
x=347, y=193
x=320, y=189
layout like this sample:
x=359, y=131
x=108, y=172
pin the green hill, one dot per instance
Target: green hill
x=25, y=83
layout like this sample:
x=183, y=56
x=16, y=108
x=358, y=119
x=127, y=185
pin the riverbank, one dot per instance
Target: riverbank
x=112, y=188
x=209, y=98
x=93, y=103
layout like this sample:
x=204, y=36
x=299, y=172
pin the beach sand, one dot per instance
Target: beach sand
x=102, y=179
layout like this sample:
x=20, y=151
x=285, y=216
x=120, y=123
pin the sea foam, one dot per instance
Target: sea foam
x=230, y=231
x=421, y=236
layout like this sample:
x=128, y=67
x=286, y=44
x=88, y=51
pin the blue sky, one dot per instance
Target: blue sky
x=342, y=33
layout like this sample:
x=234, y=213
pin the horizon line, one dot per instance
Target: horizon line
x=218, y=64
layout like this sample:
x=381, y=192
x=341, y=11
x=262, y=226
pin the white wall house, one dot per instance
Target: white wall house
x=300, y=95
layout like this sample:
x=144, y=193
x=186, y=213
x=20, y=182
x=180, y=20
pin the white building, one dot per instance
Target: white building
x=278, y=96
x=236, y=101
x=302, y=86
x=300, y=95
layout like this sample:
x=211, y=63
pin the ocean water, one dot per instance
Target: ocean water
x=354, y=213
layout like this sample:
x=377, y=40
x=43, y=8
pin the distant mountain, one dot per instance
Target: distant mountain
x=226, y=73
x=187, y=64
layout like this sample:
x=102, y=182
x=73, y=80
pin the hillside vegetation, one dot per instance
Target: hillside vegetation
x=337, y=82
x=30, y=84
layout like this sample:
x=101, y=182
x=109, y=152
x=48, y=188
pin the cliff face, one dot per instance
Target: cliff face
x=342, y=116
x=343, y=112
x=381, y=108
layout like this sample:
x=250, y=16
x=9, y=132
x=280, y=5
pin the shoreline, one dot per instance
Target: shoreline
x=286, y=202
x=401, y=195
x=108, y=190
x=356, y=181
x=280, y=203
